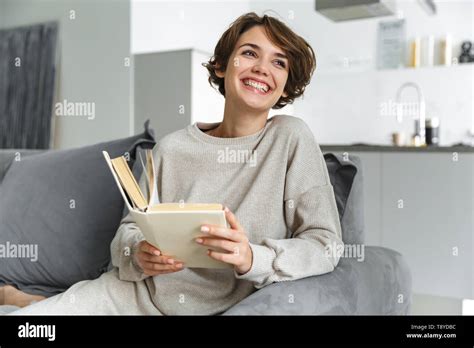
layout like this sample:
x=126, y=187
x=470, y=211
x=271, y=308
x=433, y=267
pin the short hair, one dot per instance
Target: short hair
x=301, y=57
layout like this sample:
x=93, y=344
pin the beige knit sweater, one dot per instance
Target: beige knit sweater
x=276, y=183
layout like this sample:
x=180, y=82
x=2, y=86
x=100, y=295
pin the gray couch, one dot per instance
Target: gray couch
x=380, y=284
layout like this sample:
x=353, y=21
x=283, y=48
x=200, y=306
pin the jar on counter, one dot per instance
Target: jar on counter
x=432, y=131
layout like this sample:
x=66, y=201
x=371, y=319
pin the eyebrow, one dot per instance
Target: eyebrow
x=257, y=47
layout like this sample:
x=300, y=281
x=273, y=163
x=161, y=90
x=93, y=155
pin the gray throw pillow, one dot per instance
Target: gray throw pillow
x=347, y=180
x=59, y=211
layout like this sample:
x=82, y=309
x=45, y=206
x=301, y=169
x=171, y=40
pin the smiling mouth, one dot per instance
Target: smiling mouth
x=258, y=87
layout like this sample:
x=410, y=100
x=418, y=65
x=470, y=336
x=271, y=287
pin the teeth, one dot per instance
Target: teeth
x=260, y=86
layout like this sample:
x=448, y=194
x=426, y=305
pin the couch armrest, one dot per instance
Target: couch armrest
x=380, y=284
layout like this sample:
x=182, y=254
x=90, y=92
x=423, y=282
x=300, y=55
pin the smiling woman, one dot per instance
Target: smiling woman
x=258, y=64
x=269, y=173
x=264, y=43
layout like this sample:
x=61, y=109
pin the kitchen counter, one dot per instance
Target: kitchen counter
x=390, y=148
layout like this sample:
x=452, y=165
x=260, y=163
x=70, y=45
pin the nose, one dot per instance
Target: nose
x=260, y=67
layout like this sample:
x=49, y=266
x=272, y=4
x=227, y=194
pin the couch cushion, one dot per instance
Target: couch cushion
x=62, y=209
x=346, y=177
x=369, y=283
x=7, y=156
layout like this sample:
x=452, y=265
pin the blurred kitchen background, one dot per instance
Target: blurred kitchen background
x=393, y=85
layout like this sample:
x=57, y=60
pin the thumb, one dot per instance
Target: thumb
x=232, y=220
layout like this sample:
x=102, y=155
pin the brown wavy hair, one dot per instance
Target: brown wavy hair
x=301, y=57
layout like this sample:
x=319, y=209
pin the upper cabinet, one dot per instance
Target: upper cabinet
x=171, y=89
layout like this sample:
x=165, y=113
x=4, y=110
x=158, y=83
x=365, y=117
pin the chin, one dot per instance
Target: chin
x=256, y=102
x=256, y=106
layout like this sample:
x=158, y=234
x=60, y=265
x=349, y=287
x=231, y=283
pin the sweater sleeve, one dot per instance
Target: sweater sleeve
x=125, y=243
x=123, y=249
x=311, y=216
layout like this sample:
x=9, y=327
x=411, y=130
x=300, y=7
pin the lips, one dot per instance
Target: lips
x=256, y=85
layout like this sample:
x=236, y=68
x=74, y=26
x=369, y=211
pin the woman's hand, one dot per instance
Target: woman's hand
x=233, y=239
x=153, y=263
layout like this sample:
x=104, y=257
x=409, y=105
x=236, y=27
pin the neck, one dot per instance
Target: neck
x=240, y=122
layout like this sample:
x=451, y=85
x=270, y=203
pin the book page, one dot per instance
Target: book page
x=153, y=199
x=147, y=178
x=128, y=182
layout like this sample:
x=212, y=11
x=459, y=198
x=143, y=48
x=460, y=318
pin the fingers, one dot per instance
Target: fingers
x=227, y=258
x=150, y=249
x=153, y=267
x=153, y=262
x=226, y=233
x=235, y=233
x=163, y=259
x=219, y=243
x=232, y=220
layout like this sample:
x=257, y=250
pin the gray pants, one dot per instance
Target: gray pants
x=106, y=295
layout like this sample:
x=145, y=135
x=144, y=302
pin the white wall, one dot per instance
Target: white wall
x=343, y=106
x=93, y=47
x=171, y=25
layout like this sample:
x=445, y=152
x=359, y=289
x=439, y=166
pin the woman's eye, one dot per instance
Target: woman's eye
x=252, y=53
x=281, y=63
x=248, y=51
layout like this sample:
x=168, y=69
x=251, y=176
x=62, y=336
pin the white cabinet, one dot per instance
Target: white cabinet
x=171, y=89
x=421, y=205
x=427, y=216
x=372, y=194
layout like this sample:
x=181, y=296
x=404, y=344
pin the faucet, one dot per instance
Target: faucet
x=420, y=129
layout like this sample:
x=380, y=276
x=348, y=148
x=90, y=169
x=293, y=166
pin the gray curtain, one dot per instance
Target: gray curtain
x=27, y=90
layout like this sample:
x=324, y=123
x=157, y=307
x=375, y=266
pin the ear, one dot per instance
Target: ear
x=219, y=73
x=284, y=94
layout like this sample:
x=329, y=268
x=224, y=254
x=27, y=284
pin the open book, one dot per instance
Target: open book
x=171, y=227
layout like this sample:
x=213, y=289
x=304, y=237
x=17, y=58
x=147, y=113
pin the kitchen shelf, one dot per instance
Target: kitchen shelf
x=410, y=70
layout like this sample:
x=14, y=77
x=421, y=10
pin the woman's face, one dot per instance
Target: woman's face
x=257, y=71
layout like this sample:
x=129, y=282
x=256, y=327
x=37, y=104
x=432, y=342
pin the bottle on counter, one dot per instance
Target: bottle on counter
x=398, y=138
x=432, y=131
x=415, y=53
x=427, y=51
x=446, y=49
x=416, y=140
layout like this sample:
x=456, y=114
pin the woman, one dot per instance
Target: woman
x=270, y=173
